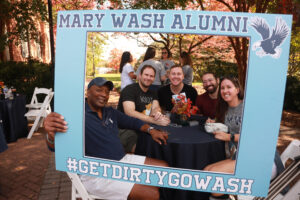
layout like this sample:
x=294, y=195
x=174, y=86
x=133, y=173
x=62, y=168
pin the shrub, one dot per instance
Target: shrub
x=25, y=76
x=218, y=67
x=292, y=94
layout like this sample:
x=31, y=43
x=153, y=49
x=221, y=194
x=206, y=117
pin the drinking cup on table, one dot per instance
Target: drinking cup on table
x=168, y=114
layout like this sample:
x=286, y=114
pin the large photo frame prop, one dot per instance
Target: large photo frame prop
x=264, y=93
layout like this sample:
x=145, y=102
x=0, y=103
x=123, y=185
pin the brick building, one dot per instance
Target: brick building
x=17, y=49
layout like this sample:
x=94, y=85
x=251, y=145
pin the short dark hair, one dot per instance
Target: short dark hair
x=147, y=66
x=214, y=75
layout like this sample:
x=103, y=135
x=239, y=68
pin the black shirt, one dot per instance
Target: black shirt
x=142, y=100
x=165, y=96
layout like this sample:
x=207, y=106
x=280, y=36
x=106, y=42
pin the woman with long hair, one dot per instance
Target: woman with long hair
x=126, y=70
x=229, y=112
x=186, y=63
x=160, y=75
x=149, y=54
x=166, y=58
x=167, y=62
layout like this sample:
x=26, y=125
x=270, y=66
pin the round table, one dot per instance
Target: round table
x=3, y=145
x=12, y=115
x=187, y=147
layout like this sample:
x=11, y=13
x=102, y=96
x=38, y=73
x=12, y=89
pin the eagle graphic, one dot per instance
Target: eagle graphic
x=269, y=45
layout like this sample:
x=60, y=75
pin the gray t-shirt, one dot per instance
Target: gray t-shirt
x=167, y=63
x=160, y=70
x=233, y=118
x=188, y=74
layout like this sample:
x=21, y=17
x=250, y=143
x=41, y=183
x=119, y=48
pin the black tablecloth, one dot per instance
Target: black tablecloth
x=3, y=145
x=12, y=116
x=188, y=147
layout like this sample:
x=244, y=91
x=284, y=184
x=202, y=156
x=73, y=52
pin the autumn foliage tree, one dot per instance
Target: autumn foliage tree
x=240, y=45
x=59, y=5
x=18, y=22
x=114, y=59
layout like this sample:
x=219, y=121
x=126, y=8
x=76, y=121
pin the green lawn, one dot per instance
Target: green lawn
x=111, y=77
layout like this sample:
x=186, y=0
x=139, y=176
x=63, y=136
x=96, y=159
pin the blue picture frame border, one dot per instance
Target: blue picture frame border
x=264, y=93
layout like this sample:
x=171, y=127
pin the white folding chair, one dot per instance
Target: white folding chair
x=39, y=114
x=286, y=177
x=34, y=103
x=292, y=194
x=292, y=151
x=78, y=189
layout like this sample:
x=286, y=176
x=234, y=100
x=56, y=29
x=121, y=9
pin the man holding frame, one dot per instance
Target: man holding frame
x=255, y=135
x=101, y=140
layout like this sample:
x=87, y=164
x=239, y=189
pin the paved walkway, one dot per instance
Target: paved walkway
x=27, y=169
x=56, y=184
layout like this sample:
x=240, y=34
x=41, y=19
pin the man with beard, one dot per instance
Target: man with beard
x=176, y=87
x=136, y=100
x=207, y=102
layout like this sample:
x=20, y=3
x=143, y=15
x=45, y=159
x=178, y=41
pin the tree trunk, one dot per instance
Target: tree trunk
x=240, y=46
x=28, y=46
x=51, y=34
x=2, y=28
x=93, y=72
x=10, y=42
x=43, y=42
x=180, y=44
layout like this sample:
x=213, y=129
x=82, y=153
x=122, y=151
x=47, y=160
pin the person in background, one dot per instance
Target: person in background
x=101, y=141
x=186, y=63
x=160, y=75
x=176, y=87
x=167, y=62
x=207, y=102
x=126, y=70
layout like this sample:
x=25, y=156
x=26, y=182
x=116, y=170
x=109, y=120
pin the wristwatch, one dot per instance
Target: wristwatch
x=232, y=137
x=149, y=129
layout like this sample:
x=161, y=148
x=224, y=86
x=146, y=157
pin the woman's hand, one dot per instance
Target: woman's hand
x=209, y=120
x=222, y=135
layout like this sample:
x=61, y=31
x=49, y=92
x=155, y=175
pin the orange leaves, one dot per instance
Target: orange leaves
x=183, y=106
